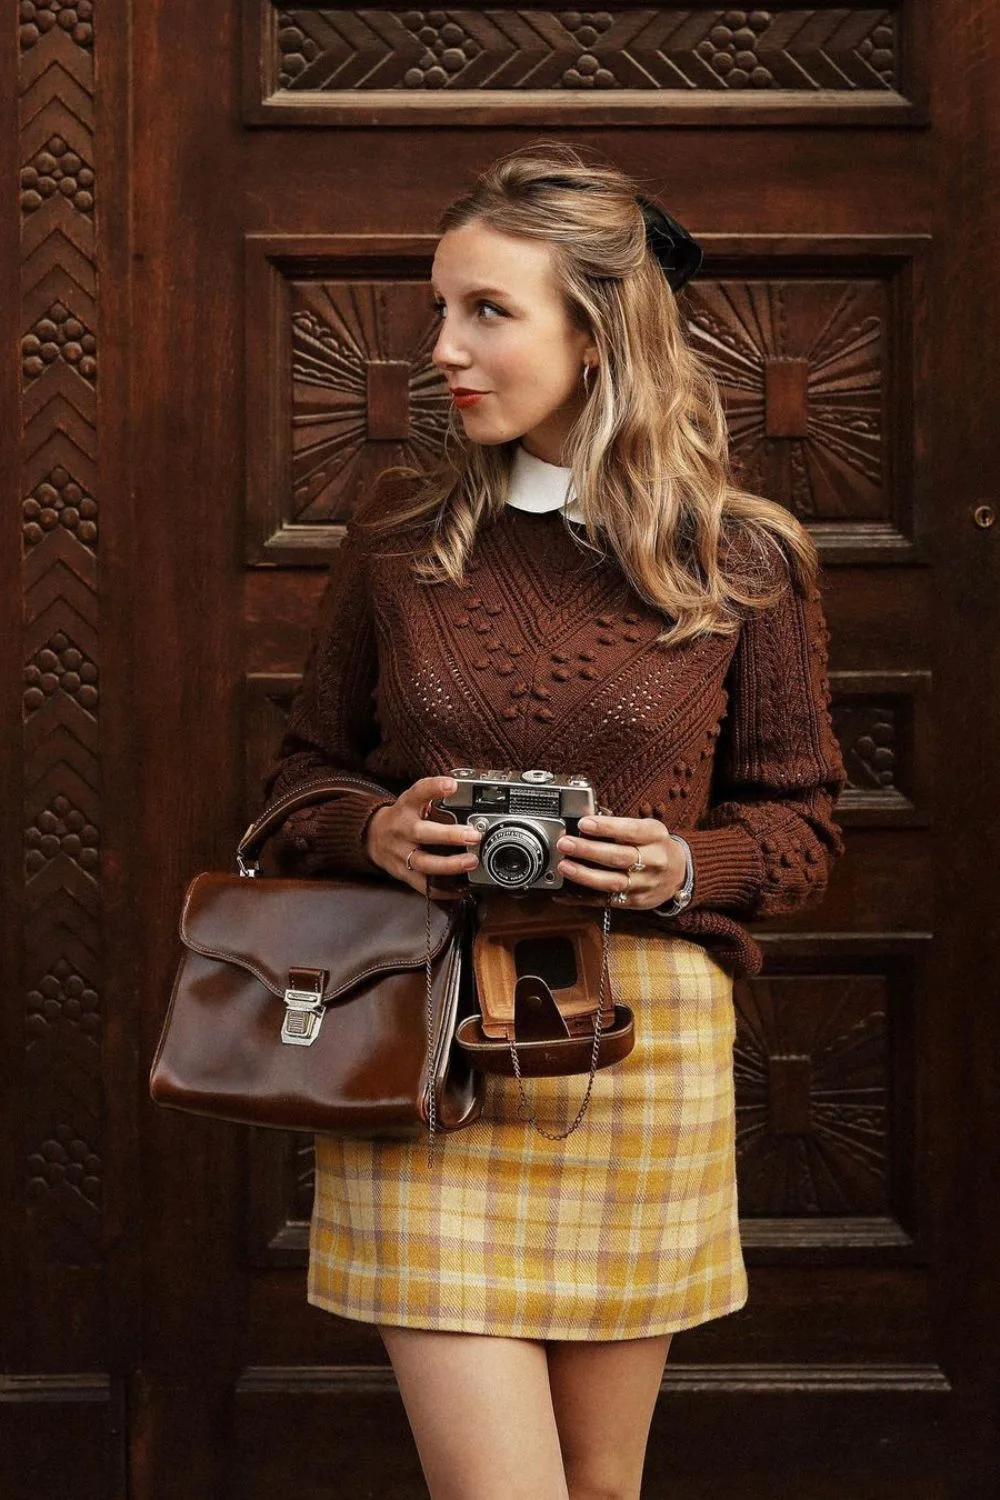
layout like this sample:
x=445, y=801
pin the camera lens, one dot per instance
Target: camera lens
x=511, y=864
x=512, y=856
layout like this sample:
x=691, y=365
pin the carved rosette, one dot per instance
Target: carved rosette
x=62, y=946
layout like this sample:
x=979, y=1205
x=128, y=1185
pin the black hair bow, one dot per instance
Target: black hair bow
x=678, y=254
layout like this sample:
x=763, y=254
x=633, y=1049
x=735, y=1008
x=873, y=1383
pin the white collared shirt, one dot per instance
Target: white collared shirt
x=538, y=486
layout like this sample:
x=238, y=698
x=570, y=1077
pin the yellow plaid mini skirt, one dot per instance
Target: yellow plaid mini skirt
x=626, y=1229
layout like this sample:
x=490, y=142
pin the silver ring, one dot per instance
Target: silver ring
x=640, y=863
x=620, y=898
x=409, y=857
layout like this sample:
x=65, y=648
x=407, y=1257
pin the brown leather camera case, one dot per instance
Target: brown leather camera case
x=509, y=928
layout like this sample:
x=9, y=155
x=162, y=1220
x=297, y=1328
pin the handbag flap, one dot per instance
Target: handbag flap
x=352, y=929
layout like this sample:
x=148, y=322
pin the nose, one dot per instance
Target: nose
x=447, y=353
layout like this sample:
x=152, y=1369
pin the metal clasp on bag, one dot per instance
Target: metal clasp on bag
x=303, y=1007
x=253, y=868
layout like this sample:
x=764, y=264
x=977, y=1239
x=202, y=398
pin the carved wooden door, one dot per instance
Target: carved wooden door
x=218, y=279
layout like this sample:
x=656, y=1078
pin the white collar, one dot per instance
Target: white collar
x=538, y=486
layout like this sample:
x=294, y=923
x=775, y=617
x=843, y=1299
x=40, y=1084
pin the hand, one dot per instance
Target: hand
x=394, y=831
x=609, y=846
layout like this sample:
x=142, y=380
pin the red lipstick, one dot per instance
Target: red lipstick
x=463, y=396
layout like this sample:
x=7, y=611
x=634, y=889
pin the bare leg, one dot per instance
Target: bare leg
x=481, y=1414
x=604, y=1395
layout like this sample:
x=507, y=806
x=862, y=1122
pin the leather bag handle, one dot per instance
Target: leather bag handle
x=315, y=789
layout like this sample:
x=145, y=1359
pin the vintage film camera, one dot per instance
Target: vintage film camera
x=521, y=816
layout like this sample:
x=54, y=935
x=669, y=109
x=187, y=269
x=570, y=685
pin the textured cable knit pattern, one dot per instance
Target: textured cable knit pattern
x=546, y=657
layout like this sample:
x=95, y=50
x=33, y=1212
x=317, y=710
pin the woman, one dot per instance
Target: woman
x=580, y=585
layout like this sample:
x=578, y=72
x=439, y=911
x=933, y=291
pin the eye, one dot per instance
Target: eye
x=439, y=309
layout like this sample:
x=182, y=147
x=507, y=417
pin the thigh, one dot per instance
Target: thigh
x=603, y=1395
x=481, y=1414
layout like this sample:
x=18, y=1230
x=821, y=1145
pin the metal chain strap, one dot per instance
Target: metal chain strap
x=524, y=1105
x=431, y=1080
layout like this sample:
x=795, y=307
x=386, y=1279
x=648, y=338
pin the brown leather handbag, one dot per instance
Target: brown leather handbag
x=545, y=1008
x=317, y=1004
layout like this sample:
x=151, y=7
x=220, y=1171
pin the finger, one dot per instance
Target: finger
x=424, y=831
x=429, y=787
x=595, y=879
x=624, y=830
x=442, y=864
x=616, y=856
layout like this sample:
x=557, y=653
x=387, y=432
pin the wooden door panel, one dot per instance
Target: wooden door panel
x=812, y=339
x=543, y=68
x=365, y=1448
x=812, y=353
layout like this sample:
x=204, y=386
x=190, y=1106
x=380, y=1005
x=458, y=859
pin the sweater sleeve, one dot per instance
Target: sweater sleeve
x=769, y=839
x=332, y=727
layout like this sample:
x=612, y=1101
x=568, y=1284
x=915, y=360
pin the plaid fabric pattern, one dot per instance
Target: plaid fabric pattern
x=626, y=1229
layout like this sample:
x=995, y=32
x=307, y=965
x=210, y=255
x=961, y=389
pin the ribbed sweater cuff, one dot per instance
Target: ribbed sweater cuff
x=338, y=828
x=728, y=867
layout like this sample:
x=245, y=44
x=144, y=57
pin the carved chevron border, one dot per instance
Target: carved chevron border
x=59, y=316
x=312, y=64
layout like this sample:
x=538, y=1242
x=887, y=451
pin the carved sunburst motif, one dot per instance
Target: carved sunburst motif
x=356, y=347
x=829, y=336
x=811, y=1095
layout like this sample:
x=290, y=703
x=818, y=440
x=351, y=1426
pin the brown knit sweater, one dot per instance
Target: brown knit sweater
x=547, y=658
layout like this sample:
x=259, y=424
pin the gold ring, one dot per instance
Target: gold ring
x=640, y=863
x=409, y=857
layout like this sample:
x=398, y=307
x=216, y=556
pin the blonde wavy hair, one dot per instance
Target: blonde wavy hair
x=649, y=451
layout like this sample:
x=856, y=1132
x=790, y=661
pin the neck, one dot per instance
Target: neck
x=545, y=452
x=548, y=440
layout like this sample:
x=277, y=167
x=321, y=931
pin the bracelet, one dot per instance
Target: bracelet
x=685, y=895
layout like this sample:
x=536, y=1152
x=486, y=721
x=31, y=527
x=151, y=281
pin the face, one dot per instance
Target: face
x=505, y=333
